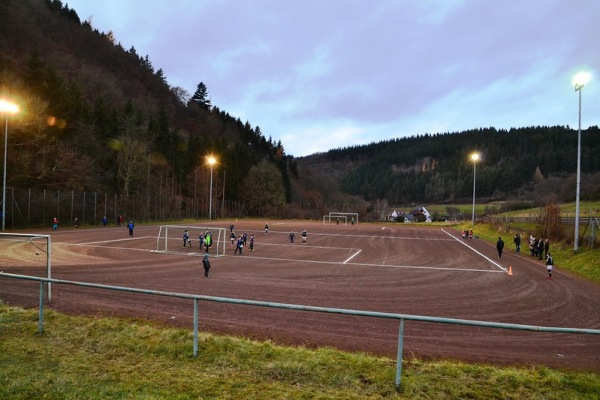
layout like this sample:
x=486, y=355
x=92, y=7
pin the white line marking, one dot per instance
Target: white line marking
x=482, y=255
x=109, y=241
x=352, y=256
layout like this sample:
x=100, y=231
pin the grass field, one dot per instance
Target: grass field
x=113, y=358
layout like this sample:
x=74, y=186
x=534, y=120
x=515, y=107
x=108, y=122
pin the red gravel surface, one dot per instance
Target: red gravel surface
x=417, y=270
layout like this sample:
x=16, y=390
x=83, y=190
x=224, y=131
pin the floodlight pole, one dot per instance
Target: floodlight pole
x=474, y=158
x=211, y=161
x=579, y=82
x=210, y=200
x=578, y=88
x=6, y=108
x=4, y=179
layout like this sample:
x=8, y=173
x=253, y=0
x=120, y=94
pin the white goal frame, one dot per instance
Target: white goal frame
x=328, y=218
x=40, y=244
x=170, y=240
x=334, y=214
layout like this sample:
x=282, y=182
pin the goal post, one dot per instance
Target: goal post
x=352, y=217
x=170, y=240
x=337, y=219
x=25, y=253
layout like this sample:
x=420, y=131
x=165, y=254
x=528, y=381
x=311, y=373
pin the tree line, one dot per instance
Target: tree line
x=437, y=168
x=97, y=117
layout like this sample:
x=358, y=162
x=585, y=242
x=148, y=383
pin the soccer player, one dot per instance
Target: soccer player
x=549, y=265
x=130, y=226
x=303, y=234
x=240, y=246
x=292, y=237
x=206, y=265
x=186, y=238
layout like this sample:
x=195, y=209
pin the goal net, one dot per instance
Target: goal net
x=27, y=254
x=171, y=240
x=351, y=217
x=338, y=219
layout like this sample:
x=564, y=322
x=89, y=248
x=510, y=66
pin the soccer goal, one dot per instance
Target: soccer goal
x=170, y=240
x=27, y=254
x=338, y=219
x=352, y=217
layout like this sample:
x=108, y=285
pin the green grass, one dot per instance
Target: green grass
x=584, y=263
x=113, y=358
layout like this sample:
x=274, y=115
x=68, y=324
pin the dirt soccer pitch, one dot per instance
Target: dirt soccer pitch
x=419, y=270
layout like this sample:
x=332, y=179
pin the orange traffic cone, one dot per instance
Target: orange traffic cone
x=510, y=270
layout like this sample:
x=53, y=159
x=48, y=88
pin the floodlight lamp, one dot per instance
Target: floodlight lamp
x=580, y=80
x=8, y=107
x=475, y=157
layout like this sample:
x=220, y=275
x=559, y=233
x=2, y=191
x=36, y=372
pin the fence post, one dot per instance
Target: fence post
x=399, y=357
x=41, y=309
x=195, y=328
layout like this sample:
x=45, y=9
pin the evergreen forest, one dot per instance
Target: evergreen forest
x=97, y=117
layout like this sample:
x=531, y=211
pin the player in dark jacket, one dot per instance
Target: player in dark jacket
x=206, y=265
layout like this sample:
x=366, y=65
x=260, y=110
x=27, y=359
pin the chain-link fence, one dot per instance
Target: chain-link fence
x=28, y=208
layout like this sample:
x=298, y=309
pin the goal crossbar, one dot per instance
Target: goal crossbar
x=170, y=240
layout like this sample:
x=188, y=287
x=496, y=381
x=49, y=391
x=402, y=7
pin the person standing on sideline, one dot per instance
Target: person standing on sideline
x=549, y=265
x=76, y=225
x=499, y=247
x=186, y=238
x=266, y=229
x=540, y=249
x=546, y=246
x=130, y=226
x=517, y=241
x=206, y=265
x=55, y=224
x=251, y=247
x=104, y=221
x=292, y=237
x=303, y=234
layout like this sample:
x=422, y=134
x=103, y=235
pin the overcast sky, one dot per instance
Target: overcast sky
x=324, y=74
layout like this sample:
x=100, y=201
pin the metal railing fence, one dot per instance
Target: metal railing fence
x=400, y=317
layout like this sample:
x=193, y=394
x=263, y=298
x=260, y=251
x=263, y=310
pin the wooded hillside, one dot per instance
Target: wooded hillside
x=98, y=117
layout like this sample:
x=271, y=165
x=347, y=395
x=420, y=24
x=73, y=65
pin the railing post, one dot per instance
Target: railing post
x=195, y=328
x=399, y=357
x=41, y=309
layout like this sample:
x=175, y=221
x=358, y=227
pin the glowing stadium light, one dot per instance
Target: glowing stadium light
x=211, y=161
x=6, y=108
x=474, y=157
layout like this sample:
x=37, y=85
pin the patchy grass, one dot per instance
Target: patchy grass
x=98, y=358
x=584, y=263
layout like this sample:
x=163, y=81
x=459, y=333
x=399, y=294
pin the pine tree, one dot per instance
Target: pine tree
x=200, y=96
